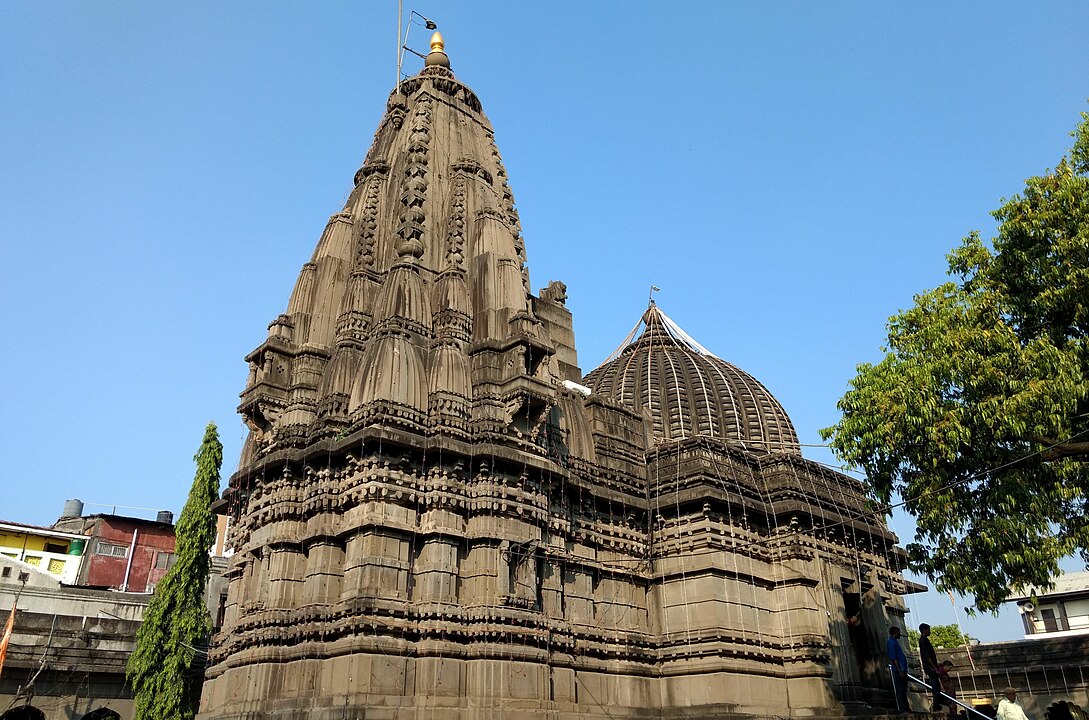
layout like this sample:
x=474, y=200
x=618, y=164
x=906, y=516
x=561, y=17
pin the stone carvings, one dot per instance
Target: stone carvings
x=429, y=523
x=555, y=292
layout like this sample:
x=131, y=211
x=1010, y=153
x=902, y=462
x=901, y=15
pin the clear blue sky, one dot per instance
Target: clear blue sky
x=789, y=174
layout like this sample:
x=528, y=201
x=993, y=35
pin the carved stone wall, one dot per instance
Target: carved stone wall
x=477, y=579
x=430, y=517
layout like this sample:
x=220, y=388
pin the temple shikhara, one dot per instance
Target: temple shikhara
x=437, y=515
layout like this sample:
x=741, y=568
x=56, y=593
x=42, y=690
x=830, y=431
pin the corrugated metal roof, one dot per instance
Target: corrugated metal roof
x=39, y=530
x=1066, y=583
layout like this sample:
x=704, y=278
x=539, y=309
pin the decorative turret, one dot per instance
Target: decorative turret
x=415, y=307
x=392, y=385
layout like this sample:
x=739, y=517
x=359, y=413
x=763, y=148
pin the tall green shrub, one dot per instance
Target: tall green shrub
x=177, y=624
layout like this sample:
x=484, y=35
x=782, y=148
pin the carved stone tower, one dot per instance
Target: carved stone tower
x=435, y=515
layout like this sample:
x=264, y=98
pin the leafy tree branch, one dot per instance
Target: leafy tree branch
x=978, y=415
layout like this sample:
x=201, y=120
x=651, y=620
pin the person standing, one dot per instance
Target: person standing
x=1009, y=709
x=930, y=666
x=898, y=663
x=950, y=692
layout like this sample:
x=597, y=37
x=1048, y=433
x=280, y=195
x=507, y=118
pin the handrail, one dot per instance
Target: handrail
x=942, y=693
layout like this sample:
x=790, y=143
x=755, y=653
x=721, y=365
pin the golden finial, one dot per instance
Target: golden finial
x=437, y=56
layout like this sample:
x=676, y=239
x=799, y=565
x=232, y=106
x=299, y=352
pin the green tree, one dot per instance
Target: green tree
x=941, y=636
x=948, y=636
x=177, y=622
x=978, y=416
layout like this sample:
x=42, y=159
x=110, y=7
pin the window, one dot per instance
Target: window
x=56, y=548
x=111, y=550
x=163, y=560
x=6, y=572
x=1051, y=623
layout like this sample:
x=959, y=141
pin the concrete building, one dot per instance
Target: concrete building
x=75, y=627
x=58, y=554
x=67, y=654
x=436, y=514
x=124, y=553
x=1062, y=610
x=1050, y=674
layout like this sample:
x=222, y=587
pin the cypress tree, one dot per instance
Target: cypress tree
x=177, y=624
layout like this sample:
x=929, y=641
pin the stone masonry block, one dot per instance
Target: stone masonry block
x=438, y=676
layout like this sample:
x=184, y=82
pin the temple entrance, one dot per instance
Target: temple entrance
x=852, y=607
x=26, y=712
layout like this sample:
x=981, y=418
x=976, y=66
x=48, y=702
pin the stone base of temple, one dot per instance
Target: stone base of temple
x=420, y=709
x=357, y=687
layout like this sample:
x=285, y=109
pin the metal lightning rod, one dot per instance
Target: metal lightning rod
x=398, y=83
x=402, y=45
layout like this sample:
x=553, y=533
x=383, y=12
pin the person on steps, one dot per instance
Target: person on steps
x=950, y=691
x=898, y=664
x=930, y=666
x=1009, y=709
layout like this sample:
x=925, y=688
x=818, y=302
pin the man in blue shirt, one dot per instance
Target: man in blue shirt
x=898, y=663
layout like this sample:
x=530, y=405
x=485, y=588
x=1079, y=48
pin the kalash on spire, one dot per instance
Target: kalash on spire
x=435, y=512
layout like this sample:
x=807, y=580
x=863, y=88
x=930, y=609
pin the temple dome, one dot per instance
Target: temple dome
x=687, y=391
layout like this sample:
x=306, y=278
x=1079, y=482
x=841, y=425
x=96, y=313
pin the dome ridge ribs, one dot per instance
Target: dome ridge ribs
x=676, y=409
x=411, y=227
x=689, y=391
x=367, y=237
x=710, y=408
x=455, y=239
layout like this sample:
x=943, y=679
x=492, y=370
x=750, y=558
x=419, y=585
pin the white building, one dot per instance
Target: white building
x=1062, y=610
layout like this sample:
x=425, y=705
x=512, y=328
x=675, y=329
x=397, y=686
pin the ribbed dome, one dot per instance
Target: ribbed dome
x=688, y=391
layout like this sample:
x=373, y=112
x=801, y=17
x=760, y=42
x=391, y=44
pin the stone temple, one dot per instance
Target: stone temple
x=437, y=515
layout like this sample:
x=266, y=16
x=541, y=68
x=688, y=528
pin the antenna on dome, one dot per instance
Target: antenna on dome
x=402, y=45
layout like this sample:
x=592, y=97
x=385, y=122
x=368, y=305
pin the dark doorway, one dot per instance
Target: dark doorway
x=26, y=712
x=1065, y=710
x=102, y=713
x=852, y=606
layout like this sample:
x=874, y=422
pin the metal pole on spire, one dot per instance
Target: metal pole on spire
x=402, y=45
x=398, y=83
x=653, y=289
